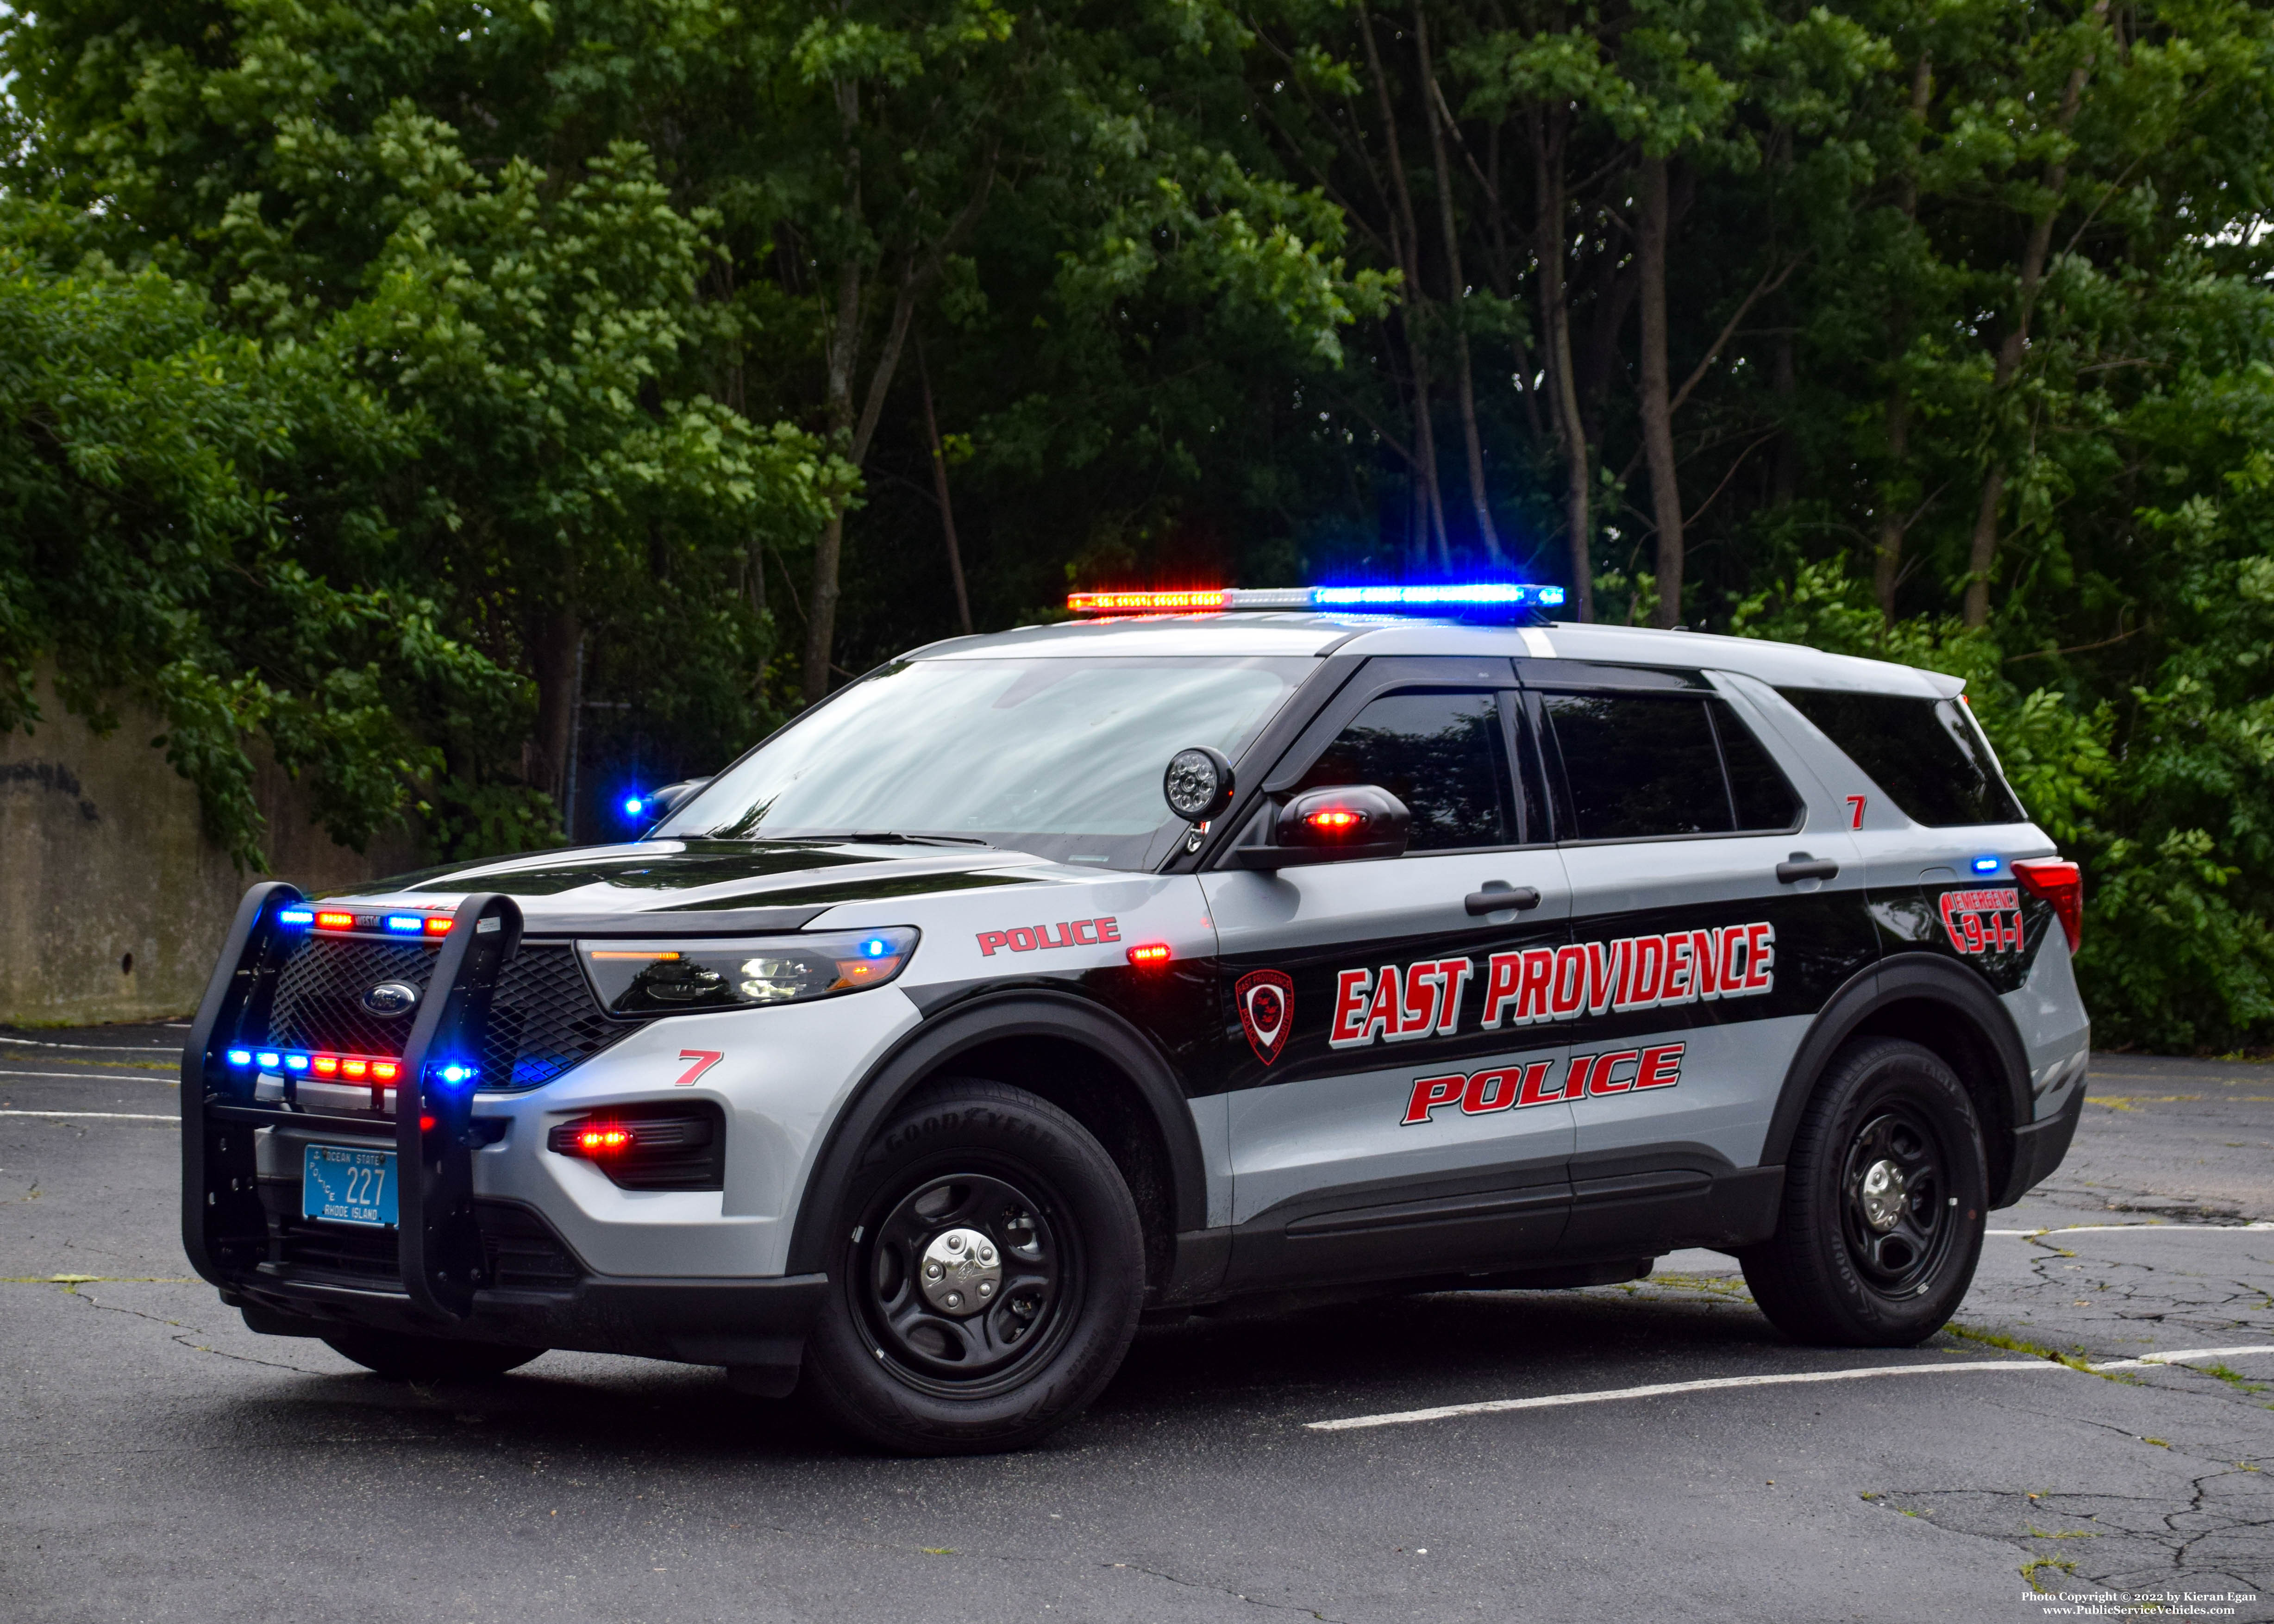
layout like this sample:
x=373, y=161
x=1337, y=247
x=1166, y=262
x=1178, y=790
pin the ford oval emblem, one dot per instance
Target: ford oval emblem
x=391, y=998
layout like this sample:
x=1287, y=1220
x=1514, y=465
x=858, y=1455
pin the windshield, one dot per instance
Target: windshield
x=1057, y=757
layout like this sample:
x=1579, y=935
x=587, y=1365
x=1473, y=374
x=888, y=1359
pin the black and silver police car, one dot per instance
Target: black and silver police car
x=1206, y=947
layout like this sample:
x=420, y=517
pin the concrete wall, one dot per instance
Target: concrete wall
x=112, y=902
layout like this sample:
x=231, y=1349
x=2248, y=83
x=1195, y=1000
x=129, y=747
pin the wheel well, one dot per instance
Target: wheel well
x=1962, y=1046
x=1103, y=1098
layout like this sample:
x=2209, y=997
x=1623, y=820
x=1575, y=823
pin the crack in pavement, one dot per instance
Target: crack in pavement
x=71, y=1288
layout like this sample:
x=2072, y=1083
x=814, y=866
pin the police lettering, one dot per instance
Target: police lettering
x=1513, y=1086
x=1069, y=933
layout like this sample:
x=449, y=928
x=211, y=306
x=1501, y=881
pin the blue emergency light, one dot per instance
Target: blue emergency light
x=407, y=924
x=633, y=804
x=297, y=916
x=1985, y=865
x=240, y=1056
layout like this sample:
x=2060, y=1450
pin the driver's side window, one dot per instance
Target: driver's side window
x=1444, y=753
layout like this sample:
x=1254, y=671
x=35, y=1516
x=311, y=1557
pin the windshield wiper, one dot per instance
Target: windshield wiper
x=886, y=837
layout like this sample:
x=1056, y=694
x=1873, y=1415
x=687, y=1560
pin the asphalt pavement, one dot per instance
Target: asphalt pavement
x=1643, y=1452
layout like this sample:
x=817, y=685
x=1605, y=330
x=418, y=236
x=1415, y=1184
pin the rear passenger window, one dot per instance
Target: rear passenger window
x=1924, y=753
x=1445, y=754
x=1639, y=766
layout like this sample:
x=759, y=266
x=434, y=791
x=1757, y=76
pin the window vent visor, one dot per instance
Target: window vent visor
x=681, y=977
x=672, y=1147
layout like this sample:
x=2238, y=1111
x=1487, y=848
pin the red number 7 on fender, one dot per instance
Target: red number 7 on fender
x=703, y=1059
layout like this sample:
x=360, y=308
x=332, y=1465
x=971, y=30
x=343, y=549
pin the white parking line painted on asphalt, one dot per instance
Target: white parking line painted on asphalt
x=111, y=1116
x=94, y=1077
x=107, y=1049
x=1553, y=1400
x=2262, y=1225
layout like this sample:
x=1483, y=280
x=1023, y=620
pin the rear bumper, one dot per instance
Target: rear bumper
x=2039, y=1148
x=734, y=1322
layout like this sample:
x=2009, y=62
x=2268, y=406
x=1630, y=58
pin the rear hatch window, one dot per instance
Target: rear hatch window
x=1925, y=753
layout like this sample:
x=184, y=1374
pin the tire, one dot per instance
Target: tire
x=1861, y=1259
x=427, y=1359
x=1041, y=1275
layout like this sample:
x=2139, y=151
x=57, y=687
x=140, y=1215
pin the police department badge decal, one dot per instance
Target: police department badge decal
x=1267, y=1010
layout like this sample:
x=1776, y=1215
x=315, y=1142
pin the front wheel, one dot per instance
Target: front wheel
x=986, y=1280
x=1885, y=1200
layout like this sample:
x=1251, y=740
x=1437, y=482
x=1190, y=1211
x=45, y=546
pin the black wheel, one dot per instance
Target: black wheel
x=427, y=1359
x=987, y=1279
x=1885, y=1200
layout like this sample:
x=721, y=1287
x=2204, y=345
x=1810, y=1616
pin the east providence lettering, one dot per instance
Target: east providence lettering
x=1544, y=984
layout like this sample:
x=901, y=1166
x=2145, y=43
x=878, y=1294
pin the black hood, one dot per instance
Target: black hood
x=679, y=885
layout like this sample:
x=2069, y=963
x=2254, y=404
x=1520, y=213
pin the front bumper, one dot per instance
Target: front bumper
x=756, y=1323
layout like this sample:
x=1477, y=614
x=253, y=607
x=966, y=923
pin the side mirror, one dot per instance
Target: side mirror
x=1341, y=823
x=1198, y=783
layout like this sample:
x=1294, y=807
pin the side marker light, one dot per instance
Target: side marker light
x=1149, y=953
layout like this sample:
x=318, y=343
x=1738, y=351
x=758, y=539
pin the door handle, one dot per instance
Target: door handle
x=1803, y=867
x=1498, y=897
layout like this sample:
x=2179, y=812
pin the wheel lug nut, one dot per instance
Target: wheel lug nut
x=955, y=1299
x=932, y=1271
x=955, y=1243
x=987, y=1254
x=987, y=1288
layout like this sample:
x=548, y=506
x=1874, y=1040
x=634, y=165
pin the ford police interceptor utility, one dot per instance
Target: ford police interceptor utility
x=1212, y=946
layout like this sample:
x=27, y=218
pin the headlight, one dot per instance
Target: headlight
x=682, y=978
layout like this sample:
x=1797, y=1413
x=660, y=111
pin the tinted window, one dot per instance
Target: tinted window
x=1445, y=754
x=1638, y=766
x=1923, y=752
x=1758, y=790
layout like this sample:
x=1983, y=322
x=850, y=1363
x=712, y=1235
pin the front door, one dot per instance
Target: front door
x=1393, y=1117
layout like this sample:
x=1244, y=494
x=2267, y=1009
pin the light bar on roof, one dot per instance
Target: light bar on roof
x=1146, y=603
x=1417, y=599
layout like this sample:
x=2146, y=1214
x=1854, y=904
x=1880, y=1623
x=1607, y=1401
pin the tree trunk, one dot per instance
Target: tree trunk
x=555, y=639
x=843, y=346
x=1555, y=321
x=1408, y=240
x=1982, y=557
x=1657, y=414
x=1887, y=563
x=1479, y=503
x=947, y=506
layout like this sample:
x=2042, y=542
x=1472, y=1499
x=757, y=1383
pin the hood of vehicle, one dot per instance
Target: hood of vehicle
x=680, y=885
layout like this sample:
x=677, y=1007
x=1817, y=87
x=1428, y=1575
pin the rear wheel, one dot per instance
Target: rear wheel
x=987, y=1279
x=427, y=1359
x=1885, y=1200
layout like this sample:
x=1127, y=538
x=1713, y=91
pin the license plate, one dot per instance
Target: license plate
x=340, y=1185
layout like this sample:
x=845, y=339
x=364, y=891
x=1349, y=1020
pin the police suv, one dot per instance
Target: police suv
x=1209, y=948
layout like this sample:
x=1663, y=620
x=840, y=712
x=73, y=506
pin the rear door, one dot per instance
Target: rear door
x=1391, y=1115
x=1696, y=966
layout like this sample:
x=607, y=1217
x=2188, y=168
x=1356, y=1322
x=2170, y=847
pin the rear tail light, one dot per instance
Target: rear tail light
x=662, y=1146
x=2061, y=882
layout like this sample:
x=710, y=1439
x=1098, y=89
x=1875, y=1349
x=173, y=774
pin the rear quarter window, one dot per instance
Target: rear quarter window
x=1924, y=753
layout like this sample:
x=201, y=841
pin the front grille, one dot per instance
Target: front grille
x=543, y=1017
